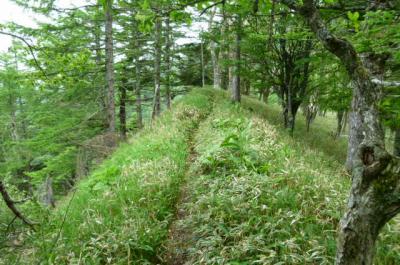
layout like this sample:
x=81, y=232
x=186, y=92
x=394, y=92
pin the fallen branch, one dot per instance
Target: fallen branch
x=11, y=205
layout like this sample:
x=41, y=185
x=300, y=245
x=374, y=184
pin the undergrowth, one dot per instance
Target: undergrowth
x=256, y=195
x=259, y=197
x=121, y=213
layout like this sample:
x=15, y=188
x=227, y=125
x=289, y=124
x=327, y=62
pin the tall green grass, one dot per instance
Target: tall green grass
x=262, y=197
x=121, y=213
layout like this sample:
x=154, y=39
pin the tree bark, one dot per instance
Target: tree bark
x=110, y=67
x=157, y=66
x=11, y=205
x=373, y=199
x=396, y=148
x=122, y=105
x=237, y=56
x=168, y=62
x=339, y=126
x=136, y=56
x=203, y=70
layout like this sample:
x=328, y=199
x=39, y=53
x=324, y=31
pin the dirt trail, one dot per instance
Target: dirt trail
x=177, y=243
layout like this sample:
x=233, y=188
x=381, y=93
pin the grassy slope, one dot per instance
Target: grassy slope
x=120, y=214
x=260, y=197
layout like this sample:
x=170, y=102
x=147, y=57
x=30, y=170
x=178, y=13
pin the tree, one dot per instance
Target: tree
x=110, y=65
x=374, y=196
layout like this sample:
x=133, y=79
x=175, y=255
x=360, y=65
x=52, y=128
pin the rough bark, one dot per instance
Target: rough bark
x=168, y=45
x=373, y=199
x=236, y=70
x=157, y=65
x=110, y=67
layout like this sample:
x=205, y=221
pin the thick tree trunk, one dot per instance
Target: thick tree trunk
x=157, y=66
x=168, y=62
x=110, y=68
x=237, y=56
x=355, y=136
x=374, y=198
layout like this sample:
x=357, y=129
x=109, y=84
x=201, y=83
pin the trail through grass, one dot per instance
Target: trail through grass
x=207, y=185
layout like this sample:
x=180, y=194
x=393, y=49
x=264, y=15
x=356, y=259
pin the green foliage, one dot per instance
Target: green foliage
x=260, y=197
x=121, y=213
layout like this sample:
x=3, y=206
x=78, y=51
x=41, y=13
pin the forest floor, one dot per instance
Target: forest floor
x=207, y=185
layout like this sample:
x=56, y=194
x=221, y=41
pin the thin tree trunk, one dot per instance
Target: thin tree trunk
x=137, y=51
x=139, y=114
x=237, y=57
x=339, y=116
x=110, y=68
x=374, y=196
x=203, y=71
x=122, y=105
x=157, y=66
x=225, y=51
x=168, y=62
x=396, y=149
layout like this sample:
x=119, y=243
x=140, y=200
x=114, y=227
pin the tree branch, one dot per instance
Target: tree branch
x=30, y=47
x=10, y=204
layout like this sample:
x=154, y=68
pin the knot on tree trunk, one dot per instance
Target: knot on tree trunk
x=374, y=160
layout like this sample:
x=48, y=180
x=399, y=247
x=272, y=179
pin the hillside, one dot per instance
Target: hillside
x=209, y=182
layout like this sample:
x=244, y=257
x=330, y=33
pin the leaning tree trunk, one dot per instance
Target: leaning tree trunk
x=157, y=66
x=374, y=196
x=110, y=68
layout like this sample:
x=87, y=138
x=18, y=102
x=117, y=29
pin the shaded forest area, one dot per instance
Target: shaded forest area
x=120, y=131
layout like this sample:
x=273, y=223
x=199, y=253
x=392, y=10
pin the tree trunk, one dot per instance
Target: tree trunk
x=110, y=68
x=203, y=70
x=122, y=105
x=168, y=62
x=355, y=136
x=138, y=94
x=236, y=69
x=265, y=95
x=157, y=66
x=339, y=116
x=225, y=51
x=214, y=55
x=396, y=149
x=374, y=198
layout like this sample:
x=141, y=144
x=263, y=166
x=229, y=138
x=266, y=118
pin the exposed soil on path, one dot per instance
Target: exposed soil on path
x=178, y=240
